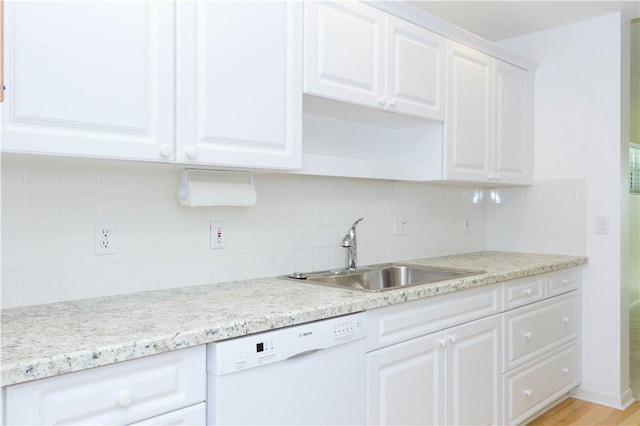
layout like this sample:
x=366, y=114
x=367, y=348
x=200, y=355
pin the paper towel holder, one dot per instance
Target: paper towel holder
x=183, y=189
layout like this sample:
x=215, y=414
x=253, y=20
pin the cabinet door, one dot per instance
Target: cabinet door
x=415, y=70
x=469, y=115
x=239, y=83
x=89, y=78
x=121, y=393
x=344, y=52
x=473, y=368
x=513, y=143
x=404, y=383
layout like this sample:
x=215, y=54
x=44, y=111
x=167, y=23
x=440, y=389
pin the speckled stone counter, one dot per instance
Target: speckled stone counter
x=47, y=340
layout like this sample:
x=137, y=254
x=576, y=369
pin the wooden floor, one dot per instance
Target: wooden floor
x=576, y=412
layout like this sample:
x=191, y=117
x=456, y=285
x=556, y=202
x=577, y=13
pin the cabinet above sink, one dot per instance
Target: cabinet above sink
x=386, y=98
x=358, y=54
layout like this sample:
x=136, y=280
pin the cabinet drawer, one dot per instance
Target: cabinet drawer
x=522, y=291
x=397, y=323
x=531, y=387
x=563, y=281
x=535, y=329
x=116, y=394
x=194, y=415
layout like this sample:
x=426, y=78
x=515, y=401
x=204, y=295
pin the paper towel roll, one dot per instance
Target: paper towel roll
x=201, y=193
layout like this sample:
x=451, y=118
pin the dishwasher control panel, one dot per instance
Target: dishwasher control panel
x=243, y=353
x=346, y=330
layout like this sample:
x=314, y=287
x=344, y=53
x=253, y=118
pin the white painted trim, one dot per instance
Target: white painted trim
x=620, y=402
x=546, y=409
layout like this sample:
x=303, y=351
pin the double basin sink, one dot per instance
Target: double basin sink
x=382, y=277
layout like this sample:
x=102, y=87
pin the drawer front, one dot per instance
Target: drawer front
x=535, y=329
x=194, y=415
x=522, y=291
x=563, y=281
x=533, y=386
x=121, y=393
x=404, y=321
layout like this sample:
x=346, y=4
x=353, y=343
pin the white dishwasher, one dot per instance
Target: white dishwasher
x=311, y=373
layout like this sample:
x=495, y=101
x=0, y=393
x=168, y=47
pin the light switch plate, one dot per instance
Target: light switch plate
x=602, y=224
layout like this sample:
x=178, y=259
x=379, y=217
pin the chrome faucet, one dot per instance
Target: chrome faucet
x=350, y=243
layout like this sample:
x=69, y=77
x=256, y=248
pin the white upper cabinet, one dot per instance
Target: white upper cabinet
x=469, y=118
x=89, y=78
x=97, y=79
x=337, y=88
x=513, y=124
x=358, y=54
x=415, y=70
x=344, y=51
x=239, y=83
x=489, y=120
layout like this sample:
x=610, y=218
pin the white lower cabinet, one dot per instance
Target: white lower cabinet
x=473, y=366
x=533, y=386
x=541, y=346
x=473, y=357
x=534, y=330
x=121, y=393
x=447, y=377
x=194, y=415
x=405, y=383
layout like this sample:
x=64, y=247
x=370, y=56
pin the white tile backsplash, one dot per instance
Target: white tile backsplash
x=50, y=206
x=549, y=217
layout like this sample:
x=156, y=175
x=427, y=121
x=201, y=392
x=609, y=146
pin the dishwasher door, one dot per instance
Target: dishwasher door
x=302, y=375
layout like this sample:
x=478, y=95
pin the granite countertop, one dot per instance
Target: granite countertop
x=47, y=340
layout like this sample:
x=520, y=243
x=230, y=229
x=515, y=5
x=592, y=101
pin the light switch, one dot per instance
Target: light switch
x=602, y=224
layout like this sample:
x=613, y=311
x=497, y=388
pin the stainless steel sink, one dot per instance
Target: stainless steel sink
x=383, y=277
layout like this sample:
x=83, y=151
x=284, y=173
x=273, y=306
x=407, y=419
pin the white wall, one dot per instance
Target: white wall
x=578, y=136
x=50, y=205
x=634, y=200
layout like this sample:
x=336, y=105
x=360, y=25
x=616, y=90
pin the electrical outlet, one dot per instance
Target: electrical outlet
x=399, y=225
x=466, y=228
x=218, y=233
x=105, y=238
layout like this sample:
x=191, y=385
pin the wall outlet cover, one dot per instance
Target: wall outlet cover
x=105, y=238
x=399, y=225
x=218, y=234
